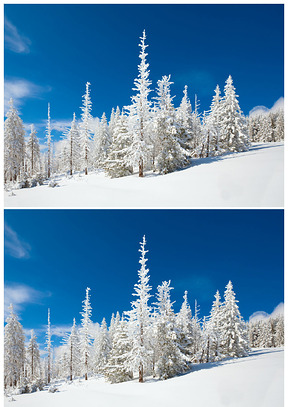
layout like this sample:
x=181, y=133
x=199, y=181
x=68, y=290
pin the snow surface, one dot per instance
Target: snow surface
x=250, y=179
x=254, y=381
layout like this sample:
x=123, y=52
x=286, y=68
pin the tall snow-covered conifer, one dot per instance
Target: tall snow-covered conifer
x=14, y=145
x=139, y=152
x=85, y=333
x=49, y=349
x=33, y=152
x=85, y=128
x=49, y=147
x=139, y=357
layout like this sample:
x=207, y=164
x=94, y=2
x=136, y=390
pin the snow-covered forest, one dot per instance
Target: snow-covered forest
x=150, y=134
x=149, y=340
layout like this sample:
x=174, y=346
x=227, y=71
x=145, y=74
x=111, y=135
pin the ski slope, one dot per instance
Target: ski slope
x=250, y=179
x=255, y=381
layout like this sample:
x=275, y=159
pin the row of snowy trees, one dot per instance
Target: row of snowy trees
x=150, y=339
x=267, y=333
x=267, y=127
x=149, y=134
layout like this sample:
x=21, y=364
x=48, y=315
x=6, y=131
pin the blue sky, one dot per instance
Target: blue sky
x=52, y=256
x=51, y=51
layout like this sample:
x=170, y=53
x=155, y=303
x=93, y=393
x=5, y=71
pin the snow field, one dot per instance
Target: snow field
x=254, y=381
x=250, y=179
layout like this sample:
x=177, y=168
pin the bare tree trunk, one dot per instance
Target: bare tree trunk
x=141, y=172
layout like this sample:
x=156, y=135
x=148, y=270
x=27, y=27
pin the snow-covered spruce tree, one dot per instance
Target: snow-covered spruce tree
x=14, y=351
x=196, y=350
x=113, y=326
x=184, y=119
x=49, y=349
x=139, y=358
x=33, y=152
x=115, y=164
x=85, y=130
x=33, y=359
x=85, y=334
x=139, y=152
x=170, y=360
x=214, y=123
x=115, y=114
x=14, y=145
x=72, y=343
x=49, y=147
x=168, y=153
x=71, y=151
x=116, y=370
x=185, y=328
x=234, y=341
x=214, y=326
x=234, y=129
x=279, y=334
x=102, y=143
x=102, y=348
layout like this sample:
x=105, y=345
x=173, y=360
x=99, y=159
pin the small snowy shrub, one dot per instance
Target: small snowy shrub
x=52, y=389
x=52, y=183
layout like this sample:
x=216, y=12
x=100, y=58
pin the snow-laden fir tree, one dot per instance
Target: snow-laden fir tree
x=139, y=152
x=33, y=359
x=102, y=141
x=197, y=333
x=234, y=341
x=198, y=146
x=85, y=334
x=234, y=135
x=184, y=119
x=14, y=351
x=72, y=343
x=14, y=145
x=214, y=120
x=85, y=128
x=169, y=155
x=170, y=360
x=139, y=358
x=116, y=369
x=115, y=165
x=102, y=347
x=214, y=325
x=49, y=349
x=49, y=146
x=279, y=128
x=115, y=320
x=33, y=152
x=279, y=334
x=71, y=151
x=185, y=328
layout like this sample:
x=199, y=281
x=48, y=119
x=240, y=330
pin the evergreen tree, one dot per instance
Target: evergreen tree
x=215, y=327
x=234, y=341
x=102, y=348
x=184, y=119
x=279, y=129
x=103, y=142
x=139, y=152
x=214, y=121
x=234, y=133
x=33, y=152
x=71, y=151
x=139, y=321
x=14, y=351
x=169, y=358
x=73, y=356
x=85, y=333
x=85, y=130
x=49, y=147
x=185, y=327
x=115, y=165
x=169, y=155
x=33, y=359
x=116, y=370
x=49, y=349
x=14, y=145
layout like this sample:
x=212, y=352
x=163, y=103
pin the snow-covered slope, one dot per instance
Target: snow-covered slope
x=249, y=179
x=255, y=381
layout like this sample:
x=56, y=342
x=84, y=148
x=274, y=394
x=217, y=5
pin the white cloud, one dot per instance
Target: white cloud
x=19, y=295
x=262, y=315
x=257, y=110
x=14, y=245
x=14, y=41
x=20, y=89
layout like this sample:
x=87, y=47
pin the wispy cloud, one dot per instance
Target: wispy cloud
x=14, y=245
x=21, y=294
x=14, y=41
x=262, y=315
x=257, y=110
x=21, y=89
